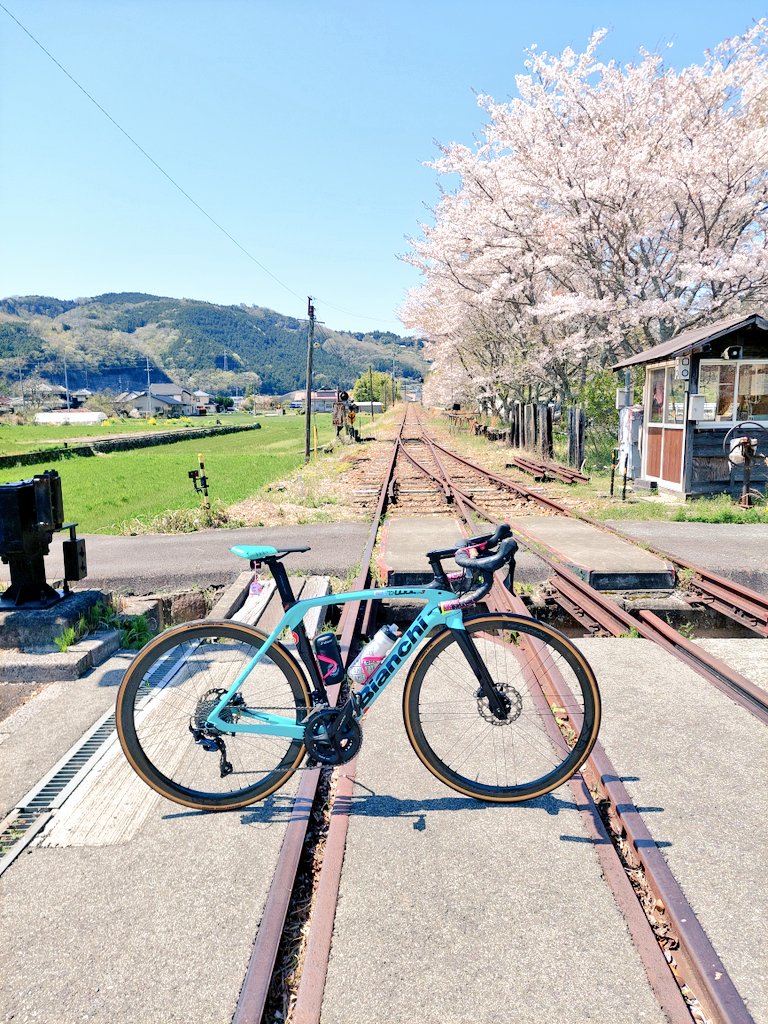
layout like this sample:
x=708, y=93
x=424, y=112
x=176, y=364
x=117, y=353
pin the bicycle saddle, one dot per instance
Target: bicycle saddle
x=258, y=552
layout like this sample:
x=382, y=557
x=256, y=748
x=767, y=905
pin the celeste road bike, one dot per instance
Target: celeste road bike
x=498, y=706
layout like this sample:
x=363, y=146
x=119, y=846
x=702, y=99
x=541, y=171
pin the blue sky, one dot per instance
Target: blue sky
x=302, y=128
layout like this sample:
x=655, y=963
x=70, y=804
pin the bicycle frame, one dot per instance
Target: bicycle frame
x=430, y=616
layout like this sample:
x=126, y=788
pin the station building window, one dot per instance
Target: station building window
x=667, y=396
x=734, y=391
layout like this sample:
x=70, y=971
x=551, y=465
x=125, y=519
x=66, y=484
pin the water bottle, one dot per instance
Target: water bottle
x=371, y=656
x=329, y=658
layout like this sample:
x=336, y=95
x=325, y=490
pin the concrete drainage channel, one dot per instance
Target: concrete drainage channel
x=36, y=808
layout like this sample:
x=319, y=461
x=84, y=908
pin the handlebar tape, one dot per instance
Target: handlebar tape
x=487, y=563
x=489, y=540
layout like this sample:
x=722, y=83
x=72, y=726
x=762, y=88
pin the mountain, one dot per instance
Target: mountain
x=107, y=341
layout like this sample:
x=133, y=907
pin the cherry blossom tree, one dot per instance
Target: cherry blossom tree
x=605, y=209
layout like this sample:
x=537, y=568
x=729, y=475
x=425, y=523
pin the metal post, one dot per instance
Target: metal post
x=66, y=379
x=149, y=392
x=310, y=340
x=370, y=387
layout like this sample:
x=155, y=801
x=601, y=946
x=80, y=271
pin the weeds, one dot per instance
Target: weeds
x=185, y=520
x=686, y=630
x=631, y=634
x=135, y=630
x=685, y=578
x=719, y=509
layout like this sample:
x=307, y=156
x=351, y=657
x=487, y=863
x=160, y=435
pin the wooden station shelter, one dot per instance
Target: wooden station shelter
x=698, y=386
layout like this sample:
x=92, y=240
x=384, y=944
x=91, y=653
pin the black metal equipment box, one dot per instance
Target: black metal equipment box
x=31, y=511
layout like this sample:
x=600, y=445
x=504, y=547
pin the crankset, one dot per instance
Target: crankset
x=332, y=737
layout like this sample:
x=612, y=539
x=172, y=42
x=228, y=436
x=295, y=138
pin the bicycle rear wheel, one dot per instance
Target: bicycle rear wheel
x=553, y=718
x=167, y=690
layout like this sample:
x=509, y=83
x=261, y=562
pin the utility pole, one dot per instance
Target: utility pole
x=66, y=379
x=149, y=392
x=310, y=343
x=370, y=384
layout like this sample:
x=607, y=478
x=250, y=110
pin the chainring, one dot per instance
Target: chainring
x=326, y=746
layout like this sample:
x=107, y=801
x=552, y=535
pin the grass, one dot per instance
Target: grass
x=32, y=437
x=104, y=494
x=135, y=630
x=720, y=509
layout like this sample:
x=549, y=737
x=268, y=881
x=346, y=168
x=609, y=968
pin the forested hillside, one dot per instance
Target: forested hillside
x=107, y=340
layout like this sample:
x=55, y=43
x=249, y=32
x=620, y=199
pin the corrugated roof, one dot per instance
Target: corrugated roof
x=694, y=340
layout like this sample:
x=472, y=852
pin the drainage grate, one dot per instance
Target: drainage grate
x=44, y=796
x=35, y=809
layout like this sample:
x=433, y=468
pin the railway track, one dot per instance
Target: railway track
x=688, y=978
x=687, y=975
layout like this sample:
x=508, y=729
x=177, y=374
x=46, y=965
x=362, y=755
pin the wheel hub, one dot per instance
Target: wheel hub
x=510, y=696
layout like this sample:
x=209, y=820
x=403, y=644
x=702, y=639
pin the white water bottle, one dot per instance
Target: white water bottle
x=372, y=655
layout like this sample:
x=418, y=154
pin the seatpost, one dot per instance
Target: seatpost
x=283, y=584
x=285, y=590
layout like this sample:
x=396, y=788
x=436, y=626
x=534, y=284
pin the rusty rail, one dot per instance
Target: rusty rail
x=253, y=995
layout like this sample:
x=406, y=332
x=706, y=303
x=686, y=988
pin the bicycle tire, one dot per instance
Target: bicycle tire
x=549, y=732
x=162, y=691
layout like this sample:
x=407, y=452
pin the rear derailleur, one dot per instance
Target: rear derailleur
x=207, y=736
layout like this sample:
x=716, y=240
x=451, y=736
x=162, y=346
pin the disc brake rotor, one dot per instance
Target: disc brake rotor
x=515, y=709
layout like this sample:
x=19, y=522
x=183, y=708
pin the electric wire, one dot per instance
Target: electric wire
x=173, y=181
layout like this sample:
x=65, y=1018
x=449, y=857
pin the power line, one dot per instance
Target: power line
x=172, y=180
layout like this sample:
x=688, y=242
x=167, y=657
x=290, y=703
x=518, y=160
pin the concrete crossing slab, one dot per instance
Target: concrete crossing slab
x=694, y=763
x=604, y=561
x=153, y=929
x=454, y=911
x=405, y=541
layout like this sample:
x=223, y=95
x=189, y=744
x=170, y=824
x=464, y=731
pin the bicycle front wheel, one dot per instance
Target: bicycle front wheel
x=548, y=732
x=162, y=705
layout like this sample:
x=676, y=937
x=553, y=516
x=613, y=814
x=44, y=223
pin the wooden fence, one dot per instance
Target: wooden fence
x=531, y=428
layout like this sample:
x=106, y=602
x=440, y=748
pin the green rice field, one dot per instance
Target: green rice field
x=103, y=494
x=15, y=440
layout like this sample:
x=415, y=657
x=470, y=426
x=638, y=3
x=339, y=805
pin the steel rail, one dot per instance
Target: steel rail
x=700, y=966
x=544, y=469
x=253, y=994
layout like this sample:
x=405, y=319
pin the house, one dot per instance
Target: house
x=204, y=403
x=163, y=400
x=322, y=400
x=698, y=387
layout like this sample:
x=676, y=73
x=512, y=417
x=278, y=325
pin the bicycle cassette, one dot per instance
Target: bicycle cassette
x=330, y=741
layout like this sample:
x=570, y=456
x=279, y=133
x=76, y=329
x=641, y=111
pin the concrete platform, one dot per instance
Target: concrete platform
x=127, y=907
x=605, y=562
x=405, y=541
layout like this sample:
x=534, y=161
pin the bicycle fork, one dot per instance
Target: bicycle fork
x=498, y=703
